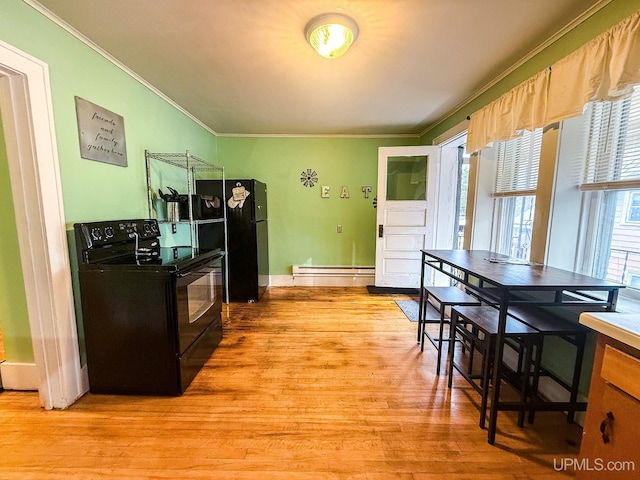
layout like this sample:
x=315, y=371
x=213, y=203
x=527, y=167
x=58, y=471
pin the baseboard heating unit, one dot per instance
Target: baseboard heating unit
x=313, y=275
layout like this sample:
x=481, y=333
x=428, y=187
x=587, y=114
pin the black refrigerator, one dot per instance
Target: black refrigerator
x=247, y=238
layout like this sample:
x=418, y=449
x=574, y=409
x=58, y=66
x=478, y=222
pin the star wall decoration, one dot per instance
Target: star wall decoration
x=309, y=178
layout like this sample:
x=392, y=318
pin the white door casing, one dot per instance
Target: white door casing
x=25, y=101
x=407, y=226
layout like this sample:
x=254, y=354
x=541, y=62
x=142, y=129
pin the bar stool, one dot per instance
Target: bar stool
x=549, y=325
x=482, y=336
x=439, y=298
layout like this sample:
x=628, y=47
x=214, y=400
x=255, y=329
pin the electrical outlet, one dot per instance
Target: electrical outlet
x=339, y=229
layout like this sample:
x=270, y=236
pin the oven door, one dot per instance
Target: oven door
x=199, y=301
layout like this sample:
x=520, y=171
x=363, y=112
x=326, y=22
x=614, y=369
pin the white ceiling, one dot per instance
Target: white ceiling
x=244, y=67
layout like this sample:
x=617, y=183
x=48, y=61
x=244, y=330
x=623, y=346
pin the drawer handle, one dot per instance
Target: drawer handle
x=605, y=427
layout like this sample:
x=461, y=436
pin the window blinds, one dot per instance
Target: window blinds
x=518, y=164
x=613, y=146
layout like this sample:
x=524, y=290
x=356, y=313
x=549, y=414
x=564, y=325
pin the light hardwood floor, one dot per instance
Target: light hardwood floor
x=308, y=383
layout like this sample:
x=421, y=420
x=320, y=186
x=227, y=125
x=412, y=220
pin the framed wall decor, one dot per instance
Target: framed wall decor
x=101, y=134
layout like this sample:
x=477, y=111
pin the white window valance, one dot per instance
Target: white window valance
x=522, y=108
x=606, y=68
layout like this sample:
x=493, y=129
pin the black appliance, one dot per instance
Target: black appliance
x=152, y=316
x=247, y=237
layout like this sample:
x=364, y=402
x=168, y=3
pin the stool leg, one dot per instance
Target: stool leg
x=577, y=369
x=472, y=349
x=452, y=342
x=487, y=348
x=440, y=339
x=526, y=372
x=537, y=368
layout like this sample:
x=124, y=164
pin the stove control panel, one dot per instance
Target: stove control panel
x=102, y=234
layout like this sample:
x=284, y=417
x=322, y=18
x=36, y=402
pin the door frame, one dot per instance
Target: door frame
x=27, y=114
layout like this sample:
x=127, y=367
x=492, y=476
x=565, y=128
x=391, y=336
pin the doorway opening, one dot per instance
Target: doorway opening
x=32, y=157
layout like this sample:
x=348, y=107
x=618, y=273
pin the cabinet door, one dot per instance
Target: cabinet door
x=619, y=457
x=611, y=437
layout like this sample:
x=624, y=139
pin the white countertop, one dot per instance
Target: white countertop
x=624, y=327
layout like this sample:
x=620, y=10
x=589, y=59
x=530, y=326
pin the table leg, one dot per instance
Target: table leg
x=421, y=315
x=497, y=368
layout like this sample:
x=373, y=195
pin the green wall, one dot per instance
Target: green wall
x=602, y=20
x=91, y=190
x=302, y=224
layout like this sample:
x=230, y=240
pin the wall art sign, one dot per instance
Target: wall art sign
x=101, y=134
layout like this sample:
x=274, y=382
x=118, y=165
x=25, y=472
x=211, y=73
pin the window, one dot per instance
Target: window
x=461, y=200
x=611, y=184
x=633, y=208
x=633, y=280
x=518, y=161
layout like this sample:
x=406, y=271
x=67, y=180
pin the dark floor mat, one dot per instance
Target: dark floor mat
x=391, y=290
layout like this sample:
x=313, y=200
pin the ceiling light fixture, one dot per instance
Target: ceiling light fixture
x=331, y=34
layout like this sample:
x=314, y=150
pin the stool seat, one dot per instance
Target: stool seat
x=452, y=296
x=439, y=298
x=485, y=319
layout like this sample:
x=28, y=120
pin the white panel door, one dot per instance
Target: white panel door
x=406, y=212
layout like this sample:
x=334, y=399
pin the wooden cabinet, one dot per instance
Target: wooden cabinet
x=611, y=437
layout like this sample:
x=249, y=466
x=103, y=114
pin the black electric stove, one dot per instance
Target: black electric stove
x=151, y=315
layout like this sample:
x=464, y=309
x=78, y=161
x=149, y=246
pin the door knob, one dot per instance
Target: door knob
x=605, y=427
x=380, y=230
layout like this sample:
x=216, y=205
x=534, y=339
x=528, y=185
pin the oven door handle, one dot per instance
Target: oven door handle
x=194, y=268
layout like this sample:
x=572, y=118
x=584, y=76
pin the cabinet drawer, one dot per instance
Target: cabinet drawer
x=621, y=370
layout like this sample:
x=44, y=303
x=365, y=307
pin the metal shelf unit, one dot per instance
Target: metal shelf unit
x=194, y=168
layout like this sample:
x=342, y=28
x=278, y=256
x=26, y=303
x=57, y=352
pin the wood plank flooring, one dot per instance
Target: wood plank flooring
x=308, y=383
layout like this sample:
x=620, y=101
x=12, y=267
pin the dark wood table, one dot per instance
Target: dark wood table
x=507, y=282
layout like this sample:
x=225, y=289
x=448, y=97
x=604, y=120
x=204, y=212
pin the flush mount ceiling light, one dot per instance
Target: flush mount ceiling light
x=331, y=34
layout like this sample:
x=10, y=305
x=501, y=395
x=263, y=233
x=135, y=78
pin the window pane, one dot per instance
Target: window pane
x=613, y=242
x=633, y=210
x=611, y=212
x=514, y=221
x=613, y=145
x=462, y=201
x=407, y=178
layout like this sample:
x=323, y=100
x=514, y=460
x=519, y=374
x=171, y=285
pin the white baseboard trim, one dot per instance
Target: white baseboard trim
x=19, y=376
x=290, y=281
x=339, y=276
